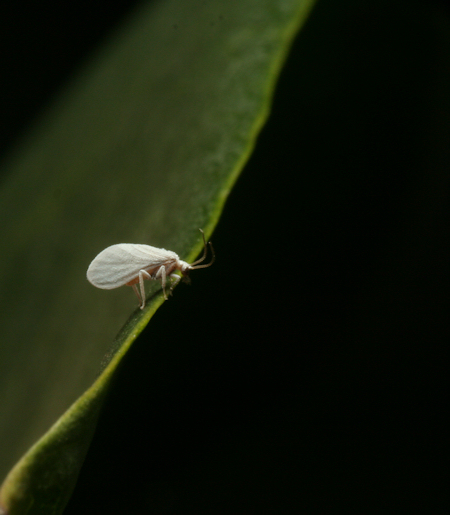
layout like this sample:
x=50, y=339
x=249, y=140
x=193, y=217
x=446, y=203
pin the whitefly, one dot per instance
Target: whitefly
x=129, y=264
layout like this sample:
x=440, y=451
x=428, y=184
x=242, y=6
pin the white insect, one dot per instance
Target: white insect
x=129, y=264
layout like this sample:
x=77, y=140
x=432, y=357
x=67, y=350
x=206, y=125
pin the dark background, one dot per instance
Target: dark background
x=305, y=372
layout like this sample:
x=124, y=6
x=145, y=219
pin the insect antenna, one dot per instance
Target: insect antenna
x=204, y=250
x=210, y=263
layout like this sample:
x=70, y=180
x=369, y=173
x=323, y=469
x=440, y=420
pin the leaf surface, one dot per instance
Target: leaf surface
x=142, y=147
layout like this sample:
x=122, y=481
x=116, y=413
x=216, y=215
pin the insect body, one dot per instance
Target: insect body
x=130, y=264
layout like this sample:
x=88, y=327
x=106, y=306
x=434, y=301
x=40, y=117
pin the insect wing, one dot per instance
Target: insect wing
x=119, y=264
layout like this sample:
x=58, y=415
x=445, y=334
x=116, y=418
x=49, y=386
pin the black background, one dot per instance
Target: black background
x=305, y=372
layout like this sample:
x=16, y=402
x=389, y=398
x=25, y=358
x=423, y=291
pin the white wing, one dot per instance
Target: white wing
x=119, y=264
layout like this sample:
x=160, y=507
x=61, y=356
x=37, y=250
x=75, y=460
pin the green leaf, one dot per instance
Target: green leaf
x=143, y=146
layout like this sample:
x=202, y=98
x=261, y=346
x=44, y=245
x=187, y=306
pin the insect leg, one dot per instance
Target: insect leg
x=176, y=279
x=162, y=270
x=136, y=291
x=142, y=274
x=161, y=274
